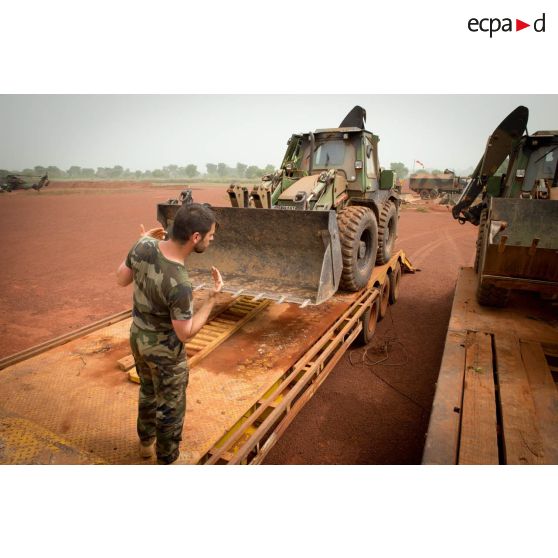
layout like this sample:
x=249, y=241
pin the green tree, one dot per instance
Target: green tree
x=253, y=171
x=88, y=173
x=211, y=169
x=400, y=169
x=191, y=171
x=222, y=170
x=74, y=171
x=39, y=170
x=241, y=170
x=268, y=169
x=55, y=172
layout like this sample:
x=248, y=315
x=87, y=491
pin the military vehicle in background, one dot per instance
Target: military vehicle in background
x=318, y=224
x=11, y=182
x=517, y=213
x=430, y=186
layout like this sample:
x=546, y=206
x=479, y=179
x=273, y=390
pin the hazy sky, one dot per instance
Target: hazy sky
x=151, y=131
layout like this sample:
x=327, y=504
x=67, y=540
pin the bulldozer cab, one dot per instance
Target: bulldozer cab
x=533, y=172
x=352, y=152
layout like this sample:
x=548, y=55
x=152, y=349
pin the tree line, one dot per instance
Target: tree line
x=169, y=172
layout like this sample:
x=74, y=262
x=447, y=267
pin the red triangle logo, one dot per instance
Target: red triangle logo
x=519, y=25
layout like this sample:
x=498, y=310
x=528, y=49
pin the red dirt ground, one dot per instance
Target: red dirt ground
x=61, y=248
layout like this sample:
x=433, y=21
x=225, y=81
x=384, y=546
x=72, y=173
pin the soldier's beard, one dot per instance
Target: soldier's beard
x=199, y=249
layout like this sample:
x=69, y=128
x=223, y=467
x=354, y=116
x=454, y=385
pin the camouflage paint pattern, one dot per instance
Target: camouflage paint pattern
x=162, y=292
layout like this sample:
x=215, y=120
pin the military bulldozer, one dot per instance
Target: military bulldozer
x=516, y=212
x=318, y=224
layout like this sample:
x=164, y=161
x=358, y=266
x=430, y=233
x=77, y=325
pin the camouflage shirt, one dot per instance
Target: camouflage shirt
x=162, y=289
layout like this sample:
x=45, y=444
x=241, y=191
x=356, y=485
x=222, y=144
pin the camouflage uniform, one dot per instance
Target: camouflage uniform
x=162, y=292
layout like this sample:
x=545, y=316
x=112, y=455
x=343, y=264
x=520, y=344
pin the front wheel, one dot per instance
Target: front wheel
x=358, y=233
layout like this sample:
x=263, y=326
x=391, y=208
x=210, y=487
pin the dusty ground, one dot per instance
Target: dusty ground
x=61, y=248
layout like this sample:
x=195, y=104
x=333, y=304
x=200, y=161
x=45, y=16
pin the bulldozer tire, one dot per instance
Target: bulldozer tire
x=387, y=232
x=480, y=238
x=358, y=232
x=394, y=284
x=369, y=320
x=490, y=295
x=433, y=194
x=424, y=194
x=384, y=298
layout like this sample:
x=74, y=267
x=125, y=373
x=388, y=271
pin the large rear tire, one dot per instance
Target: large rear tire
x=387, y=232
x=358, y=233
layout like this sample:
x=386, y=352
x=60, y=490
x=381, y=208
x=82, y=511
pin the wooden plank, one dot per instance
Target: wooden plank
x=478, y=444
x=442, y=440
x=521, y=438
x=126, y=363
x=545, y=397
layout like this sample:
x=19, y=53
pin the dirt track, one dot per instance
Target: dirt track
x=62, y=246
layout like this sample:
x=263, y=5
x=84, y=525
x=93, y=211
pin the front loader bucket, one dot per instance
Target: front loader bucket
x=523, y=244
x=290, y=256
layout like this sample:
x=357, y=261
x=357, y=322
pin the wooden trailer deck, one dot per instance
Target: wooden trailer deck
x=496, y=399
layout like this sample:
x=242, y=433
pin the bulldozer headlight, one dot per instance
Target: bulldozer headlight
x=520, y=173
x=358, y=164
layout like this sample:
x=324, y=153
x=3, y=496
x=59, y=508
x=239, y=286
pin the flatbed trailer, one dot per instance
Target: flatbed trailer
x=496, y=399
x=69, y=401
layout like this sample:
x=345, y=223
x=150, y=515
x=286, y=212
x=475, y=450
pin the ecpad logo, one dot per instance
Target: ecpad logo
x=494, y=24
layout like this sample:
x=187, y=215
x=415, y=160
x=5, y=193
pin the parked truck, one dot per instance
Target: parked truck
x=430, y=186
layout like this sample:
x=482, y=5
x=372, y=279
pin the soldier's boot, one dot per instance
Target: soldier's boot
x=147, y=449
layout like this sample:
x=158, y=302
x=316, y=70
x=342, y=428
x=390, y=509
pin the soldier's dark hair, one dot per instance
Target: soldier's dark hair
x=191, y=218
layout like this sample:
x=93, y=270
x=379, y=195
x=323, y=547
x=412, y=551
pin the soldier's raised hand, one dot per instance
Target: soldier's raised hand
x=217, y=281
x=158, y=233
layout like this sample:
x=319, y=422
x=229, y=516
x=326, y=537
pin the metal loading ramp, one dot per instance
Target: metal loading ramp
x=77, y=395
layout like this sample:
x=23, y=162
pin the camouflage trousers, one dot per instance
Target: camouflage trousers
x=163, y=372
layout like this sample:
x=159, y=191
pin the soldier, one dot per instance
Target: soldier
x=163, y=319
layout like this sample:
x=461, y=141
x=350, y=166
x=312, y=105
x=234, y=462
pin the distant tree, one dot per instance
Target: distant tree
x=138, y=174
x=24, y=171
x=241, y=170
x=211, y=169
x=55, y=172
x=191, y=171
x=253, y=172
x=39, y=170
x=171, y=171
x=436, y=172
x=74, y=171
x=400, y=169
x=88, y=173
x=116, y=171
x=222, y=170
x=159, y=173
x=268, y=169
